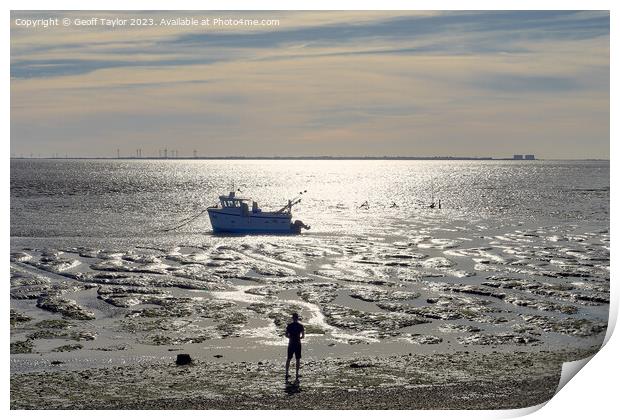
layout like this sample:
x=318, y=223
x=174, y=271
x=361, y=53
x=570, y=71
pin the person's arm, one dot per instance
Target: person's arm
x=303, y=332
x=286, y=333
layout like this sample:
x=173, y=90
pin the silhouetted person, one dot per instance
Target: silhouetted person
x=294, y=332
x=440, y=204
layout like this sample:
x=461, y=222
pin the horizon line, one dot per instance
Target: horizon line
x=327, y=157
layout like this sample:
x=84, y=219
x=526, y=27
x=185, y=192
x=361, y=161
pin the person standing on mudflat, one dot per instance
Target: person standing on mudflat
x=295, y=333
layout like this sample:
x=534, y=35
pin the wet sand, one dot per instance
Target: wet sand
x=457, y=381
x=430, y=321
x=425, y=293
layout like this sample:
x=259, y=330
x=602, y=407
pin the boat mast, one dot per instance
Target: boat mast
x=292, y=202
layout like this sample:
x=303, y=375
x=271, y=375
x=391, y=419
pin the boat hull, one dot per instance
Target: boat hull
x=228, y=222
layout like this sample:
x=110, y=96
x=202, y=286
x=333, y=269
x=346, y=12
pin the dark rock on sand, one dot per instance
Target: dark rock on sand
x=67, y=347
x=319, y=293
x=375, y=295
x=21, y=277
x=358, y=365
x=422, y=339
x=183, y=359
x=385, y=323
x=496, y=339
x=568, y=326
x=62, y=333
x=451, y=328
x=59, y=324
x=23, y=346
x=20, y=257
x=55, y=264
x=68, y=308
x=18, y=318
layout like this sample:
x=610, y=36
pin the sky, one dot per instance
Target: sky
x=469, y=83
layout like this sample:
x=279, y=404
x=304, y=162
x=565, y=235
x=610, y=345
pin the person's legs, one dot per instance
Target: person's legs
x=288, y=364
x=297, y=362
x=289, y=355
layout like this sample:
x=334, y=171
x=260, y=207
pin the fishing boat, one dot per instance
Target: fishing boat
x=234, y=215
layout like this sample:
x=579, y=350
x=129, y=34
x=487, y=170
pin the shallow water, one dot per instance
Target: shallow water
x=517, y=258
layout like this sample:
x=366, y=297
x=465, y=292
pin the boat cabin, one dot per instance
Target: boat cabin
x=230, y=201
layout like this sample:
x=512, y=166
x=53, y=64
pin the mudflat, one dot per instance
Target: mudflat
x=442, y=381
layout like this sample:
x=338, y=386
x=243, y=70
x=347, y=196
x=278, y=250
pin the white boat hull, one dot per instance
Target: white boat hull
x=229, y=220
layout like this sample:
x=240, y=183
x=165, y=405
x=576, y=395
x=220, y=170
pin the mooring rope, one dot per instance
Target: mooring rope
x=185, y=221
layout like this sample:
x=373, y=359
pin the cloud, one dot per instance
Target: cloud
x=24, y=69
x=447, y=33
x=521, y=83
x=535, y=24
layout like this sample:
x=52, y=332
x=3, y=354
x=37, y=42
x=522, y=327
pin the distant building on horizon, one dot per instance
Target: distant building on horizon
x=523, y=157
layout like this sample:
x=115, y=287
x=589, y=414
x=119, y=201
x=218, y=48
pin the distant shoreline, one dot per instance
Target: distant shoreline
x=275, y=158
x=305, y=158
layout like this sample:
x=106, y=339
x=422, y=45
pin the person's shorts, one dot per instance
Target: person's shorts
x=294, y=349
